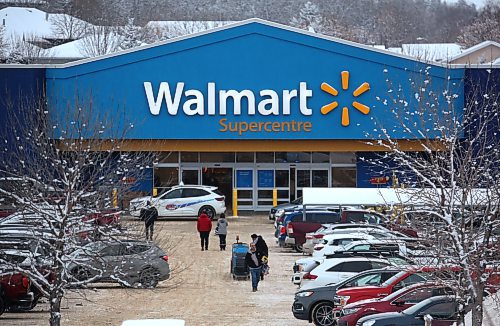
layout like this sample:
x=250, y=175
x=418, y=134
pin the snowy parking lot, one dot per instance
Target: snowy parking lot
x=201, y=290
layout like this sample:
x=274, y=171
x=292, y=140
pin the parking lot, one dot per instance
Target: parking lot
x=201, y=290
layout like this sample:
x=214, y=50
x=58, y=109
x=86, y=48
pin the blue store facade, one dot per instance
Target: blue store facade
x=254, y=106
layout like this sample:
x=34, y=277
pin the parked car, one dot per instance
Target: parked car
x=314, y=238
x=442, y=309
x=342, y=241
x=409, y=276
x=131, y=263
x=293, y=203
x=183, y=200
x=15, y=292
x=316, y=304
x=334, y=270
x=395, y=302
x=296, y=228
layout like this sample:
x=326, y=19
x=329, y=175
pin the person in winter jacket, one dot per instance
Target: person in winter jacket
x=263, y=250
x=149, y=214
x=260, y=244
x=221, y=231
x=254, y=261
x=204, y=226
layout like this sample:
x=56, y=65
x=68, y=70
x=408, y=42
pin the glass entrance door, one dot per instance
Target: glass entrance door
x=220, y=177
x=190, y=176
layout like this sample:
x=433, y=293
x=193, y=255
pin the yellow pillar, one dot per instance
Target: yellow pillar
x=275, y=197
x=235, y=202
x=115, y=197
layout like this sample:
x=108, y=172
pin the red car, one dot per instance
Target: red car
x=395, y=302
x=395, y=283
x=15, y=292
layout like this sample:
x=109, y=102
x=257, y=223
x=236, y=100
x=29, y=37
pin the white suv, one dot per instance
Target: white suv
x=334, y=270
x=185, y=200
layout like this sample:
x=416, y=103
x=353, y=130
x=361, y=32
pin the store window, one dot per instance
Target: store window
x=343, y=158
x=320, y=178
x=189, y=157
x=245, y=157
x=168, y=157
x=265, y=157
x=282, y=178
x=321, y=157
x=166, y=177
x=293, y=157
x=190, y=177
x=343, y=177
x=215, y=157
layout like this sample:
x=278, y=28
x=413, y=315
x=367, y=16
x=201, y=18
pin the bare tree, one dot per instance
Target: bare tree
x=70, y=166
x=454, y=179
x=67, y=27
x=486, y=27
x=24, y=50
x=99, y=40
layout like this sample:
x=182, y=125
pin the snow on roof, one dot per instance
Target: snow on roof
x=432, y=51
x=68, y=50
x=176, y=28
x=396, y=50
x=21, y=21
x=475, y=48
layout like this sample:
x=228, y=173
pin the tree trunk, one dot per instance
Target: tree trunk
x=55, y=308
x=477, y=311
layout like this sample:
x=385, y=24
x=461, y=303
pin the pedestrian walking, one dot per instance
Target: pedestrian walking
x=263, y=250
x=204, y=226
x=221, y=230
x=254, y=262
x=149, y=214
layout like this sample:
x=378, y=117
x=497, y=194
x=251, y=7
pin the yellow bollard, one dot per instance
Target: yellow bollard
x=155, y=192
x=235, y=202
x=115, y=197
x=275, y=197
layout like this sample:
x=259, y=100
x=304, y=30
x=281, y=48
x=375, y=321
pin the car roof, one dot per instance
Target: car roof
x=347, y=235
x=336, y=260
x=194, y=186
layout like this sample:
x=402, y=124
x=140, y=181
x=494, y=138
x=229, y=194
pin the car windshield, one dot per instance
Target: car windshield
x=397, y=261
x=427, y=276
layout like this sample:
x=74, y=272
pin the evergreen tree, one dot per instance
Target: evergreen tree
x=309, y=18
x=131, y=35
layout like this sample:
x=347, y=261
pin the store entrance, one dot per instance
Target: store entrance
x=221, y=178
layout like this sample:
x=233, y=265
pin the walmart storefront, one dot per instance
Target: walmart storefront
x=254, y=106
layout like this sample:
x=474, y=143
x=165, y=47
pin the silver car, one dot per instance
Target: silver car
x=130, y=263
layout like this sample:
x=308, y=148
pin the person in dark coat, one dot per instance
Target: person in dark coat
x=204, y=226
x=221, y=231
x=263, y=250
x=254, y=262
x=149, y=215
x=260, y=244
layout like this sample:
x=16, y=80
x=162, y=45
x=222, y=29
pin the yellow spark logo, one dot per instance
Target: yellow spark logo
x=345, y=111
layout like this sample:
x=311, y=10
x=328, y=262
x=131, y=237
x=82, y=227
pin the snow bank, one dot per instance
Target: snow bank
x=491, y=312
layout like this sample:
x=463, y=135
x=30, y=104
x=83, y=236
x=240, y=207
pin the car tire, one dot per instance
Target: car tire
x=322, y=314
x=2, y=306
x=149, y=278
x=209, y=210
x=298, y=248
